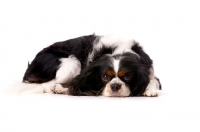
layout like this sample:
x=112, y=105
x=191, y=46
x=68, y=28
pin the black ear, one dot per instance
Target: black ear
x=141, y=80
x=88, y=83
x=144, y=58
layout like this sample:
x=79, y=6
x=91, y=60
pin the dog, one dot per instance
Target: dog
x=94, y=65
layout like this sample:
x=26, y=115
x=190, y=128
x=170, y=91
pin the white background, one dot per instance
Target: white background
x=168, y=30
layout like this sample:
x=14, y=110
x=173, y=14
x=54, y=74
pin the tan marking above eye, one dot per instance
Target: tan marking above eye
x=121, y=73
x=110, y=73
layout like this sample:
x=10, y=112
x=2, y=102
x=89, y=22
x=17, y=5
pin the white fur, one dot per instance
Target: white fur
x=152, y=88
x=47, y=86
x=69, y=68
x=18, y=88
x=122, y=45
x=107, y=41
x=151, y=76
x=116, y=65
x=26, y=88
x=59, y=89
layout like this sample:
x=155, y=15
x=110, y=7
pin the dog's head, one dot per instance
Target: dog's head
x=112, y=75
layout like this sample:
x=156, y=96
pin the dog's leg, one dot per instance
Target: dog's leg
x=153, y=86
x=70, y=67
x=53, y=87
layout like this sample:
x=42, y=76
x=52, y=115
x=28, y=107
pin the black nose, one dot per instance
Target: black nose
x=115, y=87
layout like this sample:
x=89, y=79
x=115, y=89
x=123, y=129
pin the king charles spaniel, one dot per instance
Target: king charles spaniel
x=92, y=66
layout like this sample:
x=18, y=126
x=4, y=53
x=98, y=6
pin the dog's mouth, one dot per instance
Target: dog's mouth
x=110, y=93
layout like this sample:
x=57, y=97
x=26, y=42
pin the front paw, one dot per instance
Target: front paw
x=59, y=89
x=150, y=92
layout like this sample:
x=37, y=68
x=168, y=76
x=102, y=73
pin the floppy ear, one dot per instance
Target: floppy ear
x=141, y=80
x=88, y=83
x=140, y=72
x=144, y=58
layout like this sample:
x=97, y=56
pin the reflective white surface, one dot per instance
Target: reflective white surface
x=45, y=112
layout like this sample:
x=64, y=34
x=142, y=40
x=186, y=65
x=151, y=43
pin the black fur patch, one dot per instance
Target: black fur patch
x=46, y=63
x=145, y=59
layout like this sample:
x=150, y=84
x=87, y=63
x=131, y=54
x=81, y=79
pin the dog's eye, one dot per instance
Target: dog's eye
x=127, y=76
x=105, y=78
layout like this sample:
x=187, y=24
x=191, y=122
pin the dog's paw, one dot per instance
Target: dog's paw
x=151, y=92
x=59, y=89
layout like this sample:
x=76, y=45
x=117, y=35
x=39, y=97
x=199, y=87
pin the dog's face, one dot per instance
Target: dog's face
x=117, y=75
x=116, y=84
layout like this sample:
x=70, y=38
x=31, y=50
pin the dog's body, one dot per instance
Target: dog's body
x=94, y=65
